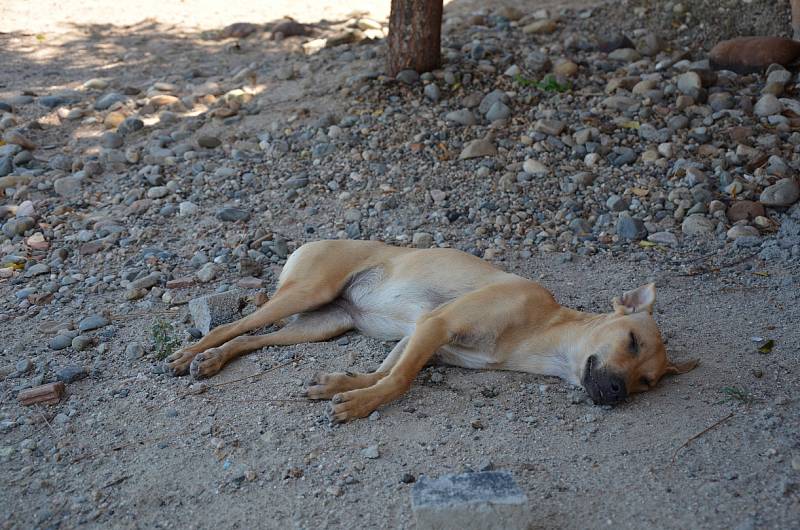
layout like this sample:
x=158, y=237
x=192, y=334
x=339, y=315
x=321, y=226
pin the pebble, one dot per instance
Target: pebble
x=767, y=105
x=59, y=342
x=133, y=351
x=534, y=167
x=630, y=228
x=478, y=148
x=81, y=342
x=462, y=117
x=422, y=240
x=785, y=192
x=698, y=225
x=233, y=214
x=209, y=142
x=107, y=100
x=409, y=77
x=207, y=273
x=71, y=373
x=93, y=322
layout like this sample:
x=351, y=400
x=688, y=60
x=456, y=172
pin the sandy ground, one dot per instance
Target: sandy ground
x=139, y=452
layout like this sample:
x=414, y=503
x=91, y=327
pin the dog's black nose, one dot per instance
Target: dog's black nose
x=604, y=387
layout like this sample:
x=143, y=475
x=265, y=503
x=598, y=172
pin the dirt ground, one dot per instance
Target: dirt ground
x=718, y=447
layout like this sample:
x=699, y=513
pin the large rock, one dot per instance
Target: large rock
x=214, y=310
x=753, y=54
x=470, y=501
x=698, y=225
x=785, y=192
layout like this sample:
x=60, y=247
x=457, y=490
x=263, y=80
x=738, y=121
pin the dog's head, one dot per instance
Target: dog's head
x=627, y=354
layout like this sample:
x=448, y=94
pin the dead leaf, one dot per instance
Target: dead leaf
x=767, y=346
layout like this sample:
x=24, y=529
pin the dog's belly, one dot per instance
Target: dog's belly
x=476, y=358
x=384, y=310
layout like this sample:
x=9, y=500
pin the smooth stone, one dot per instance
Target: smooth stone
x=478, y=148
x=81, y=342
x=627, y=55
x=744, y=210
x=107, y=100
x=614, y=41
x=698, y=225
x=462, y=117
x=233, y=214
x=431, y=92
x=498, y=111
x=68, y=186
x=767, y=105
x=534, y=167
x=209, y=142
x=785, y=192
x=59, y=342
x=111, y=140
x=207, y=273
x=630, y=228
x=71, y=373
x=409, y=77
x=157, y=192
x=93, y=322
x=737, y=231
x=663, y=238
x=187, y=208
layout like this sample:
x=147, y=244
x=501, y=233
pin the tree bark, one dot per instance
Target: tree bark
x=415, y=36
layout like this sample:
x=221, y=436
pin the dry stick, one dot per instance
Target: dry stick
x=701, y=433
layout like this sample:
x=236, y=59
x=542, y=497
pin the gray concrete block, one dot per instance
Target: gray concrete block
x=470, y=501
x=214, y=310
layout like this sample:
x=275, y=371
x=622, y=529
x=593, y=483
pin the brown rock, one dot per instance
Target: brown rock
x=45, y=394
x=15, y=137
x=238, y=30
x=741, y=210
x=746, y=55
x=740, y=134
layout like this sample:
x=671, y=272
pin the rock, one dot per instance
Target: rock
x=111, y=140
x=721, y=101
x=698, y=225
x=431, y=92
x=534, y=167
x=107, y=100
x=767, y=105
x=146, y=282
x=470, y=501
x=23, y=366
x=37, y=270
x=478, y=148
x=207, y=273
x=209, y=142
x=785, y=192
x=214, y=310
x=540, y=27
x=68, y=186
x=187, y=208
x=409, y=77
x=746, y=55
x=238, y=30
x=422, y=240
x=371, y=452
x=551, y=127
x=71, y=373
x=233, y=214
x=663, y=238
x=491, y=98
x=15, y=137
x=779, y=76
x=134, y=351
x=689, y=83
x=6, y=166
x=498, y=111
x=462, y=117
x=613, y=41
x=157, y=192
x=627, y=55
x=130, y=125
x=565, y=68
x=651, y=45
x=630, y=228
x=737, y=231
x=744, y=210
x=93, y=322
x=82, y=342
x=59, y=342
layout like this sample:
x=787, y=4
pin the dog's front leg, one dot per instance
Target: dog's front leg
x=432, y=332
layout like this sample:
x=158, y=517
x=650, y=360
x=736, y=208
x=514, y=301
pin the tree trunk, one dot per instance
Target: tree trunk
x=415, y=32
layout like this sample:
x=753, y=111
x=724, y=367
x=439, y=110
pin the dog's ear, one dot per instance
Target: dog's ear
x=681, y=368
x=641, y=299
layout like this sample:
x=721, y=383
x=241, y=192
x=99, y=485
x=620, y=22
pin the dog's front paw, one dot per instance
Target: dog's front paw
x=206, y=364
x=178, y=363
x=325, y=386
x=353, y=405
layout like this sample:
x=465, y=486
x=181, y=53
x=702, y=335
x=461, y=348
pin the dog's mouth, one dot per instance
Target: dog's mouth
x=604, y=387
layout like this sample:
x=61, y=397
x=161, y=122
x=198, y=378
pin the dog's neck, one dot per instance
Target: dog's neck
x=557, y=346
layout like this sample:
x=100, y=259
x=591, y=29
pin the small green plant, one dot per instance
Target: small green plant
x=548, y=84
x=164, y=341
x=737, y=394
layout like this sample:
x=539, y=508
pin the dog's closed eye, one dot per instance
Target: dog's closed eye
x=633, y=346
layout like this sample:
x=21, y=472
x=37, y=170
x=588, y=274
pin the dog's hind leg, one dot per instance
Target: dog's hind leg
x=325, y=386
x=314, y=326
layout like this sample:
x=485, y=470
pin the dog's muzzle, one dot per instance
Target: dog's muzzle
x=604, y=387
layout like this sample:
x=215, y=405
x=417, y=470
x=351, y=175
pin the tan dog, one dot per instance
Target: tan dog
x=443, y=303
